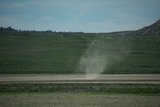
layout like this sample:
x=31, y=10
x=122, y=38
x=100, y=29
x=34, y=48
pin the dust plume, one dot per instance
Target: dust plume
x=100, y=54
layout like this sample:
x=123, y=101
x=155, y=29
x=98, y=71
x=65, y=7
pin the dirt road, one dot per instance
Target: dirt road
x=51, y=78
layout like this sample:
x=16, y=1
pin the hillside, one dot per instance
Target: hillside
x=153, y=29
x=60, y=52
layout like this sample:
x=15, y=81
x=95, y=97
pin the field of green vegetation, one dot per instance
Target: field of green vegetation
x=59, y=53
x=81, y=87
x=23, y=52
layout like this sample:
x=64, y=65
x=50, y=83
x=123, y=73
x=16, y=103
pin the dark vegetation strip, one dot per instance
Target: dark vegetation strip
x=81, y=87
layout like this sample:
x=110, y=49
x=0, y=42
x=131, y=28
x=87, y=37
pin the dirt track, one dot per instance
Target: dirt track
x=50, y=78
x=77, y=100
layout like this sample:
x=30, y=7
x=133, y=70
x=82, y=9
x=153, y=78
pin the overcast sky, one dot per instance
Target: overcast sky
x=79, y=15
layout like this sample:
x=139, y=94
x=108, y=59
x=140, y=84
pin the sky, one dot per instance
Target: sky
x=79, y=15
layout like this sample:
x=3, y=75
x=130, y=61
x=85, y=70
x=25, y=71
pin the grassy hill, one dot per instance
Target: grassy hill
x=60, y=53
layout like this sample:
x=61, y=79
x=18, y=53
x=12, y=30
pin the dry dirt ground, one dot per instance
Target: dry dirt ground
x=77, y=100
x=112, y=78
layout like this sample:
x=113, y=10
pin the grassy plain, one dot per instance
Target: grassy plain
x=59, y=53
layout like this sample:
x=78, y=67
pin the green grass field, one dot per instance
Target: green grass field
x=60, y=53
x=81, y=87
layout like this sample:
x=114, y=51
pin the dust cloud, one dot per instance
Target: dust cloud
x=100, y=54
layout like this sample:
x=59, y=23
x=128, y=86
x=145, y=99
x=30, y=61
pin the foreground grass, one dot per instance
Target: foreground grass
x=81, y=87
x=77, y=100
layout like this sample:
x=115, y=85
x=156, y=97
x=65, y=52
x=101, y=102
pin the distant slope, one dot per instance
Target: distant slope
x=152, y=30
